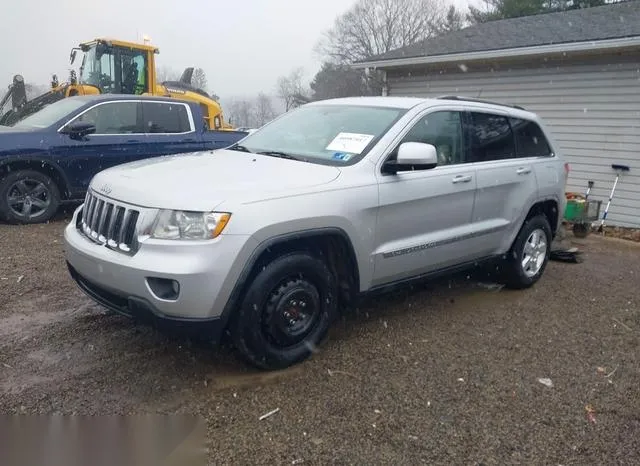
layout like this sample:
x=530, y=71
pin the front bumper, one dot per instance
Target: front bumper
x=204, y=270
x=144, y=311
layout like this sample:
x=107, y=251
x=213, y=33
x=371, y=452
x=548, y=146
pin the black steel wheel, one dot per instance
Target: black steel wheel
x=28, y=196
x=286, y=311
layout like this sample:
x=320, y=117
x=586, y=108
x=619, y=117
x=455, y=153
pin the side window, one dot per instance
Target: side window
x=491, y=137
x=443, y=130
x=165, y=117
x=530, y=140
x=134, y=73
x=114, y=118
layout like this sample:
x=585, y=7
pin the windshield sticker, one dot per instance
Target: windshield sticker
x=350, y=142
x=344, y=156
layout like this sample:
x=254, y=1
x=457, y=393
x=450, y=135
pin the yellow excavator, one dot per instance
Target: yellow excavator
x=111, y=67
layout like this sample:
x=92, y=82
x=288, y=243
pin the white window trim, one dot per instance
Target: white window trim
x=187, y=107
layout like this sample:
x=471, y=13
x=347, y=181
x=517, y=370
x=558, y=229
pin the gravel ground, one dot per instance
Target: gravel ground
x=446, y=373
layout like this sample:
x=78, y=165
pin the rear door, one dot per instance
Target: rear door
x=507, y=184
x=424, y=215
x=118, y=139
x=170, y=127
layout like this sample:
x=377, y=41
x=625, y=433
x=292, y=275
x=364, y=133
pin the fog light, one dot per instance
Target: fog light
x=164, y=288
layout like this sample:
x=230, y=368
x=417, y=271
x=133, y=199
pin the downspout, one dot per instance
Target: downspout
x=385, y=86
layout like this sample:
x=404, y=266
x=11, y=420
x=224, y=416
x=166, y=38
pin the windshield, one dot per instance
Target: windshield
x=115, y=69
x=51, y=113
x=334, y=134
x=98, y=68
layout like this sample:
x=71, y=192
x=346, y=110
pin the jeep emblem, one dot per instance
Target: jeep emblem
x=105, y=188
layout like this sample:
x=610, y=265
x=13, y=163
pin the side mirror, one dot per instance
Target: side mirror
x=413, y=156
x=79, y=129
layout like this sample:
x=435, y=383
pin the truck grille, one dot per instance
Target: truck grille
x=110, y=224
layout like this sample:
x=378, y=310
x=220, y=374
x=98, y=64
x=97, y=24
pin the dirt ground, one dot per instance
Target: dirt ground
x=441, y=374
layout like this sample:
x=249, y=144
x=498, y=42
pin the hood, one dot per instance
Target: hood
x=13, y=140
x=203, y=180
x=4, y=130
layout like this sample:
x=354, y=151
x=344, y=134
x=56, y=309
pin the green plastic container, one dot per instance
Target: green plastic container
x=574, y=210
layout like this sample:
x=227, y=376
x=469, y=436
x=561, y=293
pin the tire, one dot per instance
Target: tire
x=36, y=188
x=515, y=274
x=290, y=287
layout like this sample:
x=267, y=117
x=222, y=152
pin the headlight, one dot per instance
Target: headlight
x=178, y=224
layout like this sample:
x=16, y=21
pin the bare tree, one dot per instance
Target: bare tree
x=453, y=21
x=373, y=27
x=166, y=73
x=35, y=90
x=291, y=90
x=263, y=109
x=199, y=79
x=241, y=112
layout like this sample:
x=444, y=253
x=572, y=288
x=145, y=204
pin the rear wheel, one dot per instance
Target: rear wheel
x=28, y=196
x=286, y=312
x=526, y=261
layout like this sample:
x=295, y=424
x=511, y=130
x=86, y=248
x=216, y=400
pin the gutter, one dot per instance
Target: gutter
x=587, y=46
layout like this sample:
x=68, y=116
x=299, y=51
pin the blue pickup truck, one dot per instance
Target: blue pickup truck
x=50, y=157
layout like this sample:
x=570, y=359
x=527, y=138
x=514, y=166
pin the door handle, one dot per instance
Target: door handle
x=461, y=179
x=523, y=171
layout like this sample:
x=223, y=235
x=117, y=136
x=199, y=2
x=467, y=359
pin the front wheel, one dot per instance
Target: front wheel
x=286, y=312
x=28, y=196
x=526, y=261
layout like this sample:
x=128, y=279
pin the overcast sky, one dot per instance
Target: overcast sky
x=243, y=45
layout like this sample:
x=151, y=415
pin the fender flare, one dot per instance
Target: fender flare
x=38, y=162
x=248, y=267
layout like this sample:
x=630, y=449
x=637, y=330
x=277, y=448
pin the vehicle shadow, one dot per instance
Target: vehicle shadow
x=193, y=362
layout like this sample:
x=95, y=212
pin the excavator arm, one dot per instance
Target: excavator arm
x=17, y=93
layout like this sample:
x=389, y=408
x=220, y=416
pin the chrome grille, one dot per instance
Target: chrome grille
x=105, y=222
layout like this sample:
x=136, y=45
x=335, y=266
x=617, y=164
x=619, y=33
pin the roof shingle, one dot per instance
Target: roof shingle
x=612, y=21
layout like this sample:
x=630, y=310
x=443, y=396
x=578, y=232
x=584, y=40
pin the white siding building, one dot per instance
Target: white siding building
x=579, y=70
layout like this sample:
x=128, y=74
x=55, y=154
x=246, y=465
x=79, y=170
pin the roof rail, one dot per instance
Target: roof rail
x=480, y=101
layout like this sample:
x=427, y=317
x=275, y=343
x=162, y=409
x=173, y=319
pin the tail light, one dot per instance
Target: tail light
x=566, y=170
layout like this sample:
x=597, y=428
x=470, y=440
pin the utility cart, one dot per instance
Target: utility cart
x=581, y=212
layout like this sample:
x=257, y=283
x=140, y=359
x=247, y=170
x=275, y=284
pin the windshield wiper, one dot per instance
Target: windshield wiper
x=240, y=148
x=282, y=155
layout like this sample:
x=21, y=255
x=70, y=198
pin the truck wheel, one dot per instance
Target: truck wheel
x=286, y=311
x=529, y=254
x=28, y=196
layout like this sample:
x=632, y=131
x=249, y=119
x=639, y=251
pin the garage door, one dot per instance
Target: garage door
x=593, y=112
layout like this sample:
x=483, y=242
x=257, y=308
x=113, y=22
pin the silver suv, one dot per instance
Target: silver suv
x=267, y=240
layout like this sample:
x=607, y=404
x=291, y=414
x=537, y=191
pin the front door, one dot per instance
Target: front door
x=424, y=216
x=118, y=139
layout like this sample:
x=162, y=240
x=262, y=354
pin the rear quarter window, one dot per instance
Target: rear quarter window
x=530, y=139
